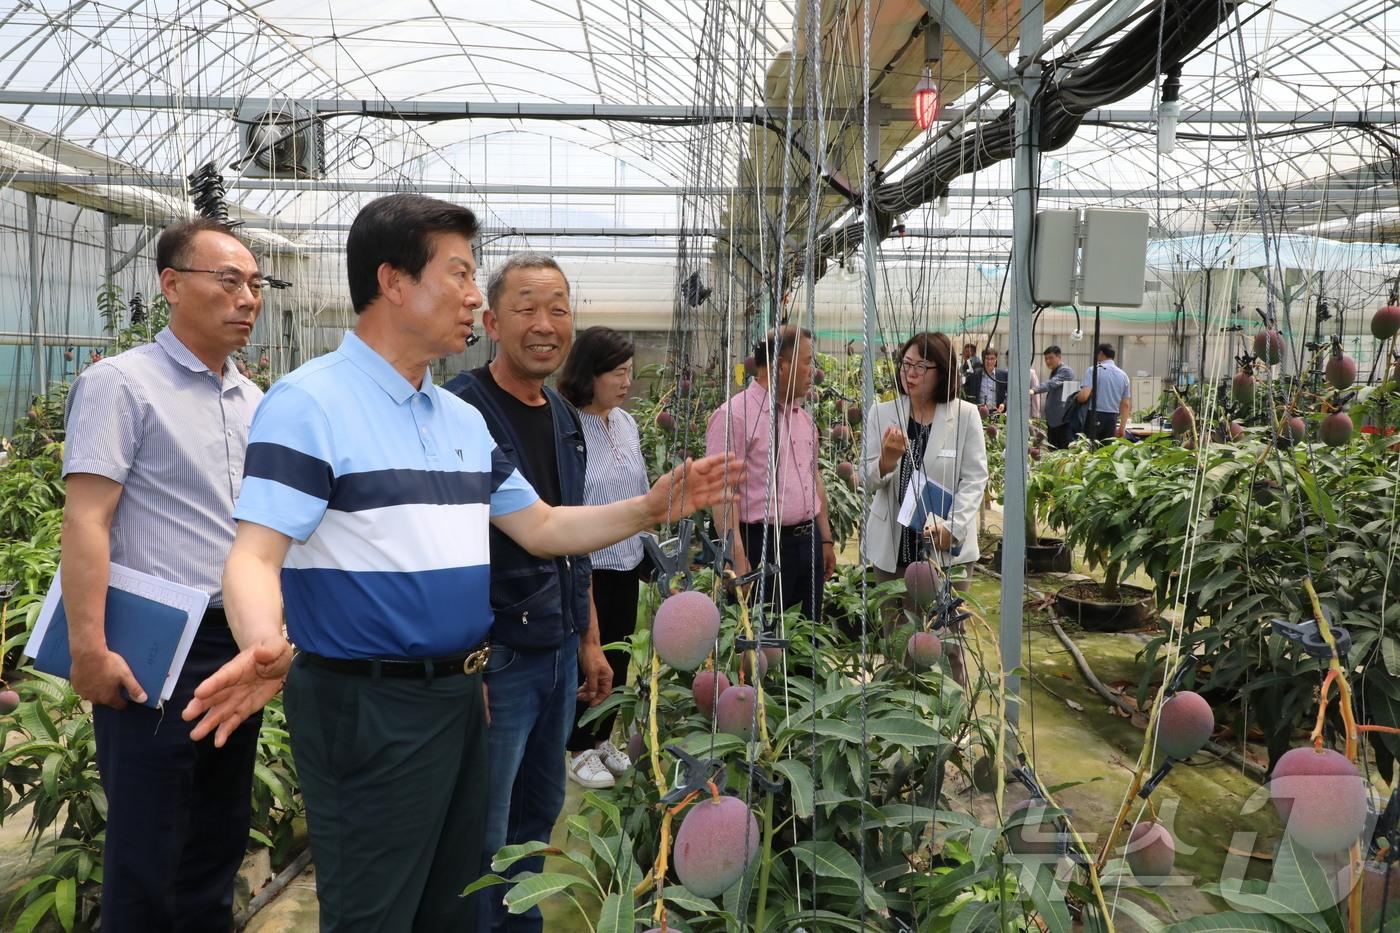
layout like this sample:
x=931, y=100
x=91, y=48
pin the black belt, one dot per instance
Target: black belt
x=412, y=668
x=800, y=530
x=214, y=617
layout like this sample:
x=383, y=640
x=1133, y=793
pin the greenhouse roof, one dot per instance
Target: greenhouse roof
x=1333, y=63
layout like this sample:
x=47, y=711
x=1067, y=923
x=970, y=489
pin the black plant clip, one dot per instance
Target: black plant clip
x=948, y=612
x=1157, y=777
x=700, y=773
x=761, y=642
x=1307, y=636
x=1025, y=774
x=761, y=780
x=667, y=568
x=1387, y=831
x=7, y=589
x=1187, y=665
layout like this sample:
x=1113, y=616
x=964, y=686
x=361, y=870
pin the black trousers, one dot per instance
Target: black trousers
x=177, y=811
x=798, y=553
x=1104, y=425
x=615, y=598
x=394, y=775
x=1057, y=436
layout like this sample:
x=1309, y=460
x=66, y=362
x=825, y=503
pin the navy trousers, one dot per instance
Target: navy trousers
x=177, y=811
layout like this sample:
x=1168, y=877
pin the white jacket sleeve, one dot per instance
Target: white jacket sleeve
x=870, y=452
x=972, y=473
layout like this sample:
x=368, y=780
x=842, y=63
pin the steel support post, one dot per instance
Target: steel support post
x=1020, y=359
x=36, y=313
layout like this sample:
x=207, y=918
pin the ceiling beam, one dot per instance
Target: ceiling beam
x=1338, y=192
x=972, y=40
x=457, y=110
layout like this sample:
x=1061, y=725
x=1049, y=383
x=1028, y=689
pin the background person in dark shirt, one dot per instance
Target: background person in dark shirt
x=541, y=637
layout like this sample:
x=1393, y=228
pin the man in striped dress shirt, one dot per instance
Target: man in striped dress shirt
x=365, y=510
x=154, y=462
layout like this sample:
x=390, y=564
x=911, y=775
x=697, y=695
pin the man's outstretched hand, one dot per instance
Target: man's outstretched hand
x=694, y=485
x=239, y=689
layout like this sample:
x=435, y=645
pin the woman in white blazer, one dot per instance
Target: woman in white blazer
x=926, y=426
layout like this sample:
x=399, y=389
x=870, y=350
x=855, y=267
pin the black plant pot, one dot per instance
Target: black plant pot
x=1045, y=555
x=1084, y=604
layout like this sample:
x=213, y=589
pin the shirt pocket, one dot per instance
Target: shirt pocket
x=527, y=597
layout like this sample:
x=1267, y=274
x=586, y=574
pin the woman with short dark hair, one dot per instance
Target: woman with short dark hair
x=596, y=379
x=924, y=432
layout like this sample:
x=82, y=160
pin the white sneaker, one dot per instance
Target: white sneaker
x=614, y=759
x=587, y=769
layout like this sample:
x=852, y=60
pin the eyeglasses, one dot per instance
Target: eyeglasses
x=917, y=366
x=231, y=281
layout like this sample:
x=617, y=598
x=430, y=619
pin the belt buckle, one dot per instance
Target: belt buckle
x=475, y=661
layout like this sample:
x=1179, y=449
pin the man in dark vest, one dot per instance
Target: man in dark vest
x=545, y=653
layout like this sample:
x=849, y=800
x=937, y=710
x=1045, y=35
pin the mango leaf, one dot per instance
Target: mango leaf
x=618, y=914
x=34, y=913
x=1048, y=895
x=1231, y=922
x=976, y=917
x=509, y=855
x=677, y=896
x=905, y=731
x=799, y=785
x=485, y=881
x=829, y=860
x=65, y=902
x=532, y=889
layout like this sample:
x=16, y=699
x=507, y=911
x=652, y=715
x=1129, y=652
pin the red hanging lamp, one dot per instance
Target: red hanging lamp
x=927, y=103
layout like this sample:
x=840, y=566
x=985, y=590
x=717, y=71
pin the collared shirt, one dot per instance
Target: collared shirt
x=388, y=491
x=173, y=433
x=615, y=471
x=1113, y=386
x=987, y=389
x=744, y=425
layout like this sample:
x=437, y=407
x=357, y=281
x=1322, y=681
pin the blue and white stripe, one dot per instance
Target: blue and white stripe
x=616, y=471
x=388, y=492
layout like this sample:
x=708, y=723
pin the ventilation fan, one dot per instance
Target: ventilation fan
x=285, y=143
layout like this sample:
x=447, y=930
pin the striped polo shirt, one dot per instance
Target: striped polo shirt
x=156, y=420
x=387, y=491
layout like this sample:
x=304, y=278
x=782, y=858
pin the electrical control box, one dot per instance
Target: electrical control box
x=1053, y=262
x=1094, y=257
x=1113, y=265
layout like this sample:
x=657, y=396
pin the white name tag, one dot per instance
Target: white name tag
x=947, y=452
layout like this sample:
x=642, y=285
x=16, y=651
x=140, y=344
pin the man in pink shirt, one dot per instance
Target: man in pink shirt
x=784, y=519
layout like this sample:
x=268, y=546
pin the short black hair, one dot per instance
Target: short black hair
x=990, y=351
x=497, y=283
x=398, y=229
x=1107, y=350
x=1053, y=348
x=933, y=347
x=787, y=338
x=596, y=350
x=177, y=241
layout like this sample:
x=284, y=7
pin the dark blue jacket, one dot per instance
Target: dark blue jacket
x=538, y=602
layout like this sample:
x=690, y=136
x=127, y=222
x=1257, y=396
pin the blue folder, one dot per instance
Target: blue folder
x=144, y=632
x=933, y=499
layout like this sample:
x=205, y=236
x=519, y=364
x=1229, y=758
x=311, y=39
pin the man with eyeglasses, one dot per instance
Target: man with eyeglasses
x=154, y=462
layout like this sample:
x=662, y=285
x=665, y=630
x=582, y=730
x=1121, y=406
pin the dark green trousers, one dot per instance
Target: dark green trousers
x=394, y=776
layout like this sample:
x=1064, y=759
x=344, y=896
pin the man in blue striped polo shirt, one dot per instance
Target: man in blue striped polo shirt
x=364, y=509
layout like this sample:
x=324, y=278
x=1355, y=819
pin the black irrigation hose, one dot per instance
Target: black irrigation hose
x=1124, y=68
x=272, y=889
